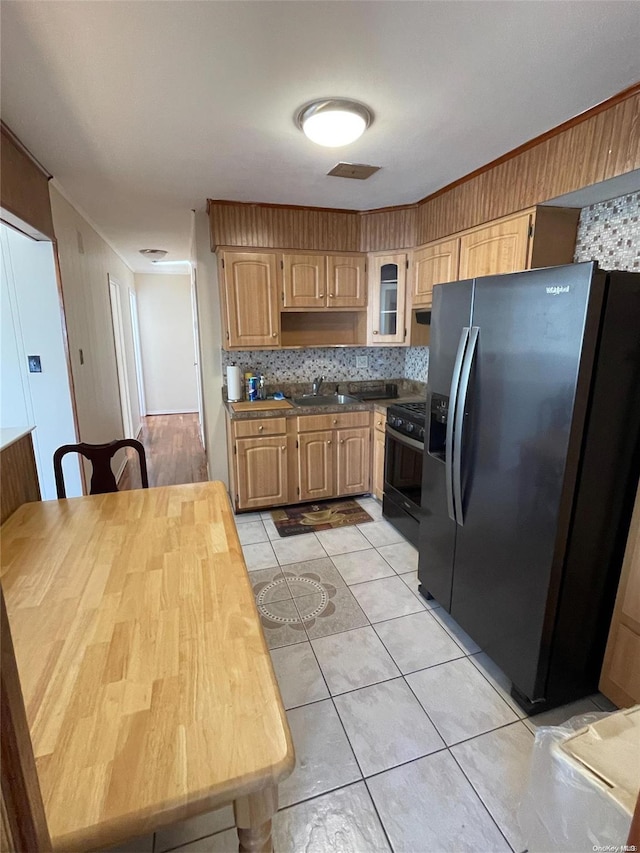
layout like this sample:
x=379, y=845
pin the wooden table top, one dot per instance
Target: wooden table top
x=147, y=681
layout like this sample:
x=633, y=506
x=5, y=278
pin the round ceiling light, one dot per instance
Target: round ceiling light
x=334, y=121
x=153, y=254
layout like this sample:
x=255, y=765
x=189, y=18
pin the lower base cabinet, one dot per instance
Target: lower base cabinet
x=278, y=461
x=263, y=471
x=334, y=455
x=378, y=437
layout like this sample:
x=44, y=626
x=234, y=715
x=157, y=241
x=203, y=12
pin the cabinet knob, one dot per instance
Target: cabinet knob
x=379, y=423
x=376, y=333
x=283, y=447
x=320, y=295
x=260, y=428
x=329, y=442
x=331, y=295
x=274, y=335
x=342, y=441
x=335, y=420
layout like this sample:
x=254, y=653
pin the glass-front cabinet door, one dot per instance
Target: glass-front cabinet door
x=387, y=323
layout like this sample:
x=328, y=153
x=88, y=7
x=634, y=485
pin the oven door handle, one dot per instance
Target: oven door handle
x=453, y=400
x=405, y=439
x=459, y=426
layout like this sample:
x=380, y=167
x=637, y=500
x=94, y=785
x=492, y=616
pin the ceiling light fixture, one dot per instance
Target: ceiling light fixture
x=334, y=121
x=153, y=254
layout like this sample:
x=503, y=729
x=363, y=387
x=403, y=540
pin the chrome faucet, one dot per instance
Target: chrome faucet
x=316, y=384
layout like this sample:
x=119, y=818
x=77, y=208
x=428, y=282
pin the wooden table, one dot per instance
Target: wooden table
x=147, y=681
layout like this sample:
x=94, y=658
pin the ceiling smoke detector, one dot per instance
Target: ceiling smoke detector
x=153, y=254
x=358, y=171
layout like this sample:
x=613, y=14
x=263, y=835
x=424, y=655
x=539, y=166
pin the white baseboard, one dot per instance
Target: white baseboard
x=173, y=412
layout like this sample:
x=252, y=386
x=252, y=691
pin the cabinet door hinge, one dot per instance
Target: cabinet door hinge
x=227, y=335
x=297, y=445
x=297, y=490
x=281, y=265
x=283, y=295
x=531, y=230
x=223, y=268
x=405, y=332
x=235, y=450
x=407, y=263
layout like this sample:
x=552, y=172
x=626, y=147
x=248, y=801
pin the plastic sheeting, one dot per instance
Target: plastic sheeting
x=565, y=808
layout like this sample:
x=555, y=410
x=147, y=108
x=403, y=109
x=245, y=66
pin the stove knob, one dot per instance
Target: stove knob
x=421, y=434
x=398, y=423
x=410, y=427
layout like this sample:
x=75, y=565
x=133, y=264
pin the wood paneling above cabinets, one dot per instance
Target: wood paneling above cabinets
x=601, y=144
x=273, y=226
x=24, y=189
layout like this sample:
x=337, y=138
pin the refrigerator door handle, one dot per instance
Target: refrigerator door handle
x=459, y=424
x=453, y=398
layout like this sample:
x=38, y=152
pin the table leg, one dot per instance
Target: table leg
x=253, y=815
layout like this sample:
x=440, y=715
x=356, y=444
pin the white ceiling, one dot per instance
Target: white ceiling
x=142, y=110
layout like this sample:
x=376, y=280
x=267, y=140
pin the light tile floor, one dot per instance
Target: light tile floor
x=405, y=734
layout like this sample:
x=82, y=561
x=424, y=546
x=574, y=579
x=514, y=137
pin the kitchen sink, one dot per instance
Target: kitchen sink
x=325, y=400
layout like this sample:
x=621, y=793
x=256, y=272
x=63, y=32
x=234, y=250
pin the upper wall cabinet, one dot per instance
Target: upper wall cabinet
x=496, y=249
x=538, y=237
x=250, y=291
x=304, y=281
x=346, y=280
x=434, y=264
x=323, y=281
x=387, y=299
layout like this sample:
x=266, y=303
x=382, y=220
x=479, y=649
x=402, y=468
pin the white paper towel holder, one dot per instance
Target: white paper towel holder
x=234, y=383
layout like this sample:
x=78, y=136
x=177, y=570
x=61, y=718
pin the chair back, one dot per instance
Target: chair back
x=100, y=455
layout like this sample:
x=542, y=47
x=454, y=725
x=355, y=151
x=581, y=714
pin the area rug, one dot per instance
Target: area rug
x=307, y=518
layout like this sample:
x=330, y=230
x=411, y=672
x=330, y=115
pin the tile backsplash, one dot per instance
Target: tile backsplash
x=609, y=232
x=338, y=364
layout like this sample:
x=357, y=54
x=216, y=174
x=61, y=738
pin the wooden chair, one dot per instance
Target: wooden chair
x=100, y=455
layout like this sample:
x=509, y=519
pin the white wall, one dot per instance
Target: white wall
x=210, y=343
x=31, y=325
x=86, y=261
x=167, y=343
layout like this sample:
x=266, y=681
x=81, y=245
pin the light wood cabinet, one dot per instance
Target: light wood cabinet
x=304, y=281
x=346, y=281
x=250, y=292
x=262, y=471
x=496, y=249
x=262, y=462
x=378, y=438
x=353, y=461
x=620, y=676
x=537, y=237
x=333, y=455
x=316, y=460
x=436, y=263
x=387, y=300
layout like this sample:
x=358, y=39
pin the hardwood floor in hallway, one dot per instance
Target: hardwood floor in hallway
x=174, y=452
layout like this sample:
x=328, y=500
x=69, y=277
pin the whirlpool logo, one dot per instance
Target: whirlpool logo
x=558, y=289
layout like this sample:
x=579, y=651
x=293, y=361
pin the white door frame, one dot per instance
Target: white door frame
x=196, y=347
x=121, y=358
x=135, y=328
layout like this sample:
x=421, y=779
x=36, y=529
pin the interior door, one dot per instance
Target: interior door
x=516, y=480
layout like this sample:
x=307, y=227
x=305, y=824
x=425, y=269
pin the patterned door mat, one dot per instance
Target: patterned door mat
x=307, y=518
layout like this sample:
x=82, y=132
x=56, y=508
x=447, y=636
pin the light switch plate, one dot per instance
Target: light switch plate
x=362, y=361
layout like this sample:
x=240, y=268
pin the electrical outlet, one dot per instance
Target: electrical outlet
x=362, y=361
x=35, y=365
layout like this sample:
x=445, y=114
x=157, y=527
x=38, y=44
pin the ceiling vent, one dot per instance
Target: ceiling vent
x=358, y=171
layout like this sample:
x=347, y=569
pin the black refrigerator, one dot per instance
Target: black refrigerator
x=531, y=464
